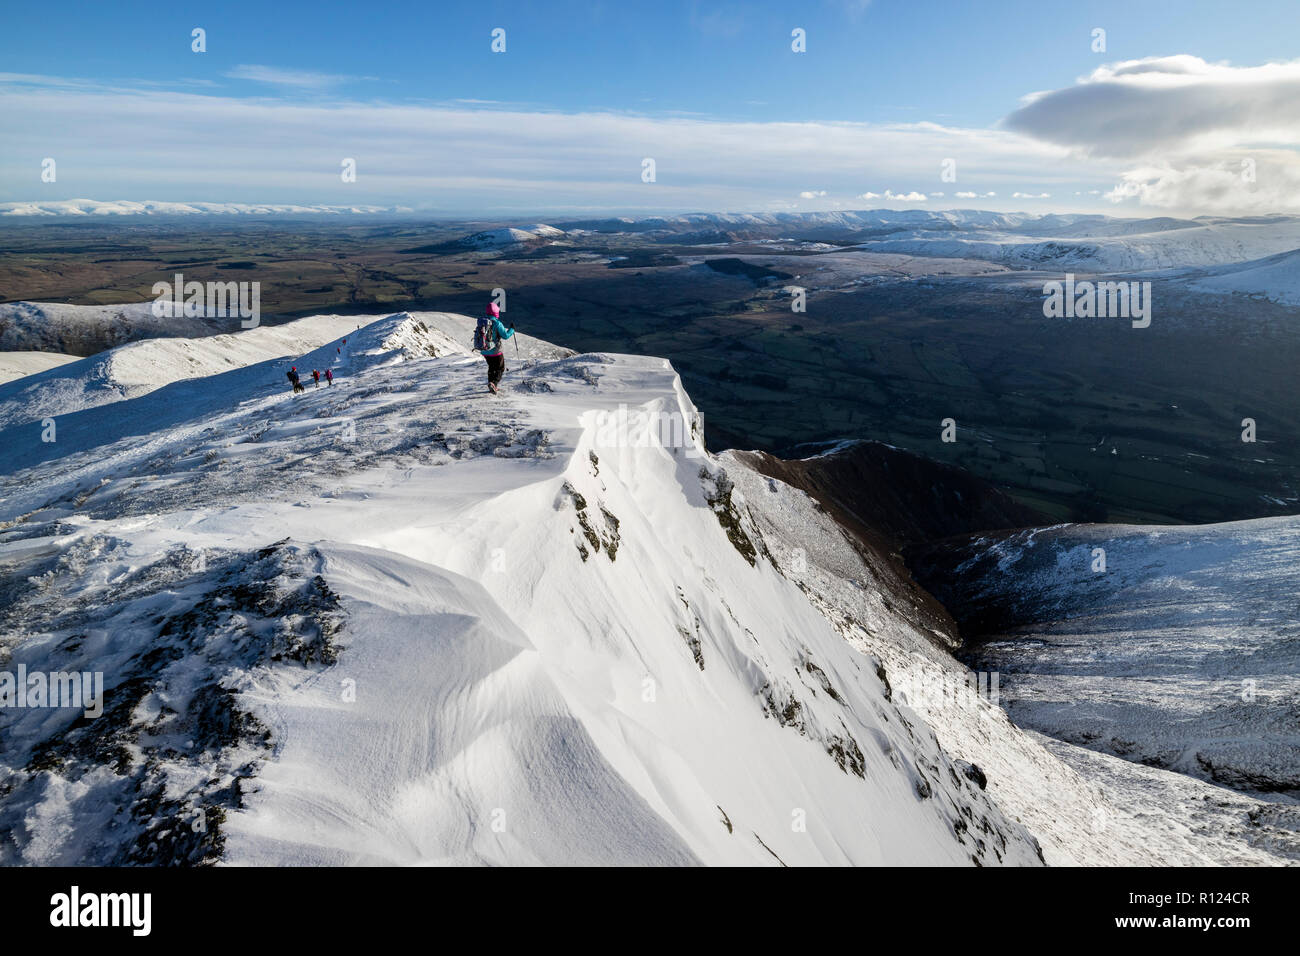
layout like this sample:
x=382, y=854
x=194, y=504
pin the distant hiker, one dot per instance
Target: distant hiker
x=329, y=376
x=487, y=339
x=315, y=378
x=293, y=380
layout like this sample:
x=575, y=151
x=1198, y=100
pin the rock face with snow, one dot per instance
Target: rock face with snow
x=400, y=620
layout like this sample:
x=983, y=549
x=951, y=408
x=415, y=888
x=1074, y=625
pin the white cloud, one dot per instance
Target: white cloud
x=1167, y=103
x=812, y=194
x=1264, y=181
x=892, y=196
x=1031, y=195
x=966, y=195
x=1184, y=128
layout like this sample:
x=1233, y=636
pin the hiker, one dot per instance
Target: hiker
x=315, y=378
x=329, y=376
x=487, y=339
x=293, y=380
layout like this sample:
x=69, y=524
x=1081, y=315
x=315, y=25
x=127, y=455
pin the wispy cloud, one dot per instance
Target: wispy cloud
x=465, y=157
x=298, y=79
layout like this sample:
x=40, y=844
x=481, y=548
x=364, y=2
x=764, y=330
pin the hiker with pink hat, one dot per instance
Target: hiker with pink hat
x=488, y=335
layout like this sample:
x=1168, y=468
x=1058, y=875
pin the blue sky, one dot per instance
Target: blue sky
x=74, y=79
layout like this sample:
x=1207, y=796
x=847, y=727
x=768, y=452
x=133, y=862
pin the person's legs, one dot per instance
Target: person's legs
x=496, y=368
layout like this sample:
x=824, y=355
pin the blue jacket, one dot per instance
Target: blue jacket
x=503, y=333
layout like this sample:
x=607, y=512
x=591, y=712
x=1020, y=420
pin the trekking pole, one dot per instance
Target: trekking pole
x=512, y=328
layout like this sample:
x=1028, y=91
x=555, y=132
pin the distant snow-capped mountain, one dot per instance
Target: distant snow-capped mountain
x=509, y=236
x=127, y=207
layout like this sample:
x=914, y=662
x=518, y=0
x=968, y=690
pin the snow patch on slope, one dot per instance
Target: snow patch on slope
x=14, y=365
x=1276, y=278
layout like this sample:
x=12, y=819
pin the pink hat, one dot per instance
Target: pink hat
x=493, y=310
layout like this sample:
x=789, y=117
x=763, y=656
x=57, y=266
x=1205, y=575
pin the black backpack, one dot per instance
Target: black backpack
x=485, y=335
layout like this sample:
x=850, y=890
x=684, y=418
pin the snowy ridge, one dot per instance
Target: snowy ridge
x=140, y=367
x=568, y=643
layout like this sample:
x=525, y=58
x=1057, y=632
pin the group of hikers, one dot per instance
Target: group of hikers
x=489, y=333
x=296, y=382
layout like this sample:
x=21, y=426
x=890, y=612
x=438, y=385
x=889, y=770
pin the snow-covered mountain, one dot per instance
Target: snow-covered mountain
x=1110, y=250
x=1173, y=646
x=1081, y=243
x=1276, y=278
x=88, y=329
x=510, y=236
x=401, y=620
